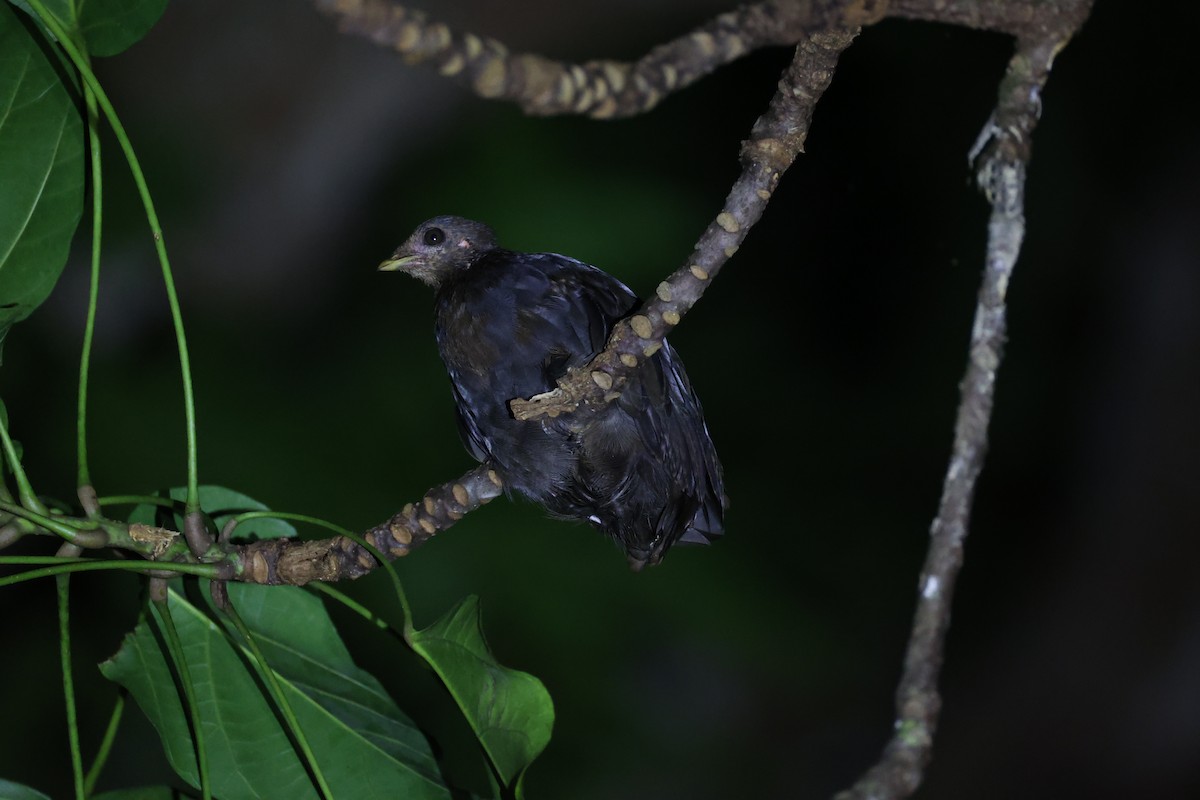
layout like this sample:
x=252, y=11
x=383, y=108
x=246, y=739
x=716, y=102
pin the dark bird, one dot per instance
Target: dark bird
x=642, y=469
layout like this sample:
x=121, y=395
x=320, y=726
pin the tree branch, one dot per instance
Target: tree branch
x=287, y=561
x=1001, y=153
x=284, y=561
x=1024, y=19
x=775, y=140
x=600, y=89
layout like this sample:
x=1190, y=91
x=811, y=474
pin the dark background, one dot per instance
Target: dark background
x=288, y=160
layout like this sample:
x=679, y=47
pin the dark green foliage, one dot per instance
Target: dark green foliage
x=363, y=743
x=41, y=159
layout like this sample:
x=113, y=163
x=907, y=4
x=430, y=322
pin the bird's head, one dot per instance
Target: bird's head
x=440, y=246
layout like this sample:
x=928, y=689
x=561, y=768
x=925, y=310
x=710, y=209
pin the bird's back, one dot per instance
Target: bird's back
x=643, y=469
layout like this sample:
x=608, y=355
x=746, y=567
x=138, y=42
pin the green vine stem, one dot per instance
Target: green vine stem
x=57, y=565
x=83, y=477
x=106, y=743
x=281, y=702
x=80, y=61
x=136, y=500
x=175, y=649
x=63, y=586
x=29, y=499
x=85, y=533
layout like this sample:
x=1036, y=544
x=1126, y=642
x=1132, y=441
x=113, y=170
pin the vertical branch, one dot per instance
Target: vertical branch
x=1001, y=153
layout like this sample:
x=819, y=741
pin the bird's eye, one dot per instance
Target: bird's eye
x=434, y=236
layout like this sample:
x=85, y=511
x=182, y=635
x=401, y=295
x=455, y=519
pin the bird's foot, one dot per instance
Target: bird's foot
x=546, y=397
x=548, y=404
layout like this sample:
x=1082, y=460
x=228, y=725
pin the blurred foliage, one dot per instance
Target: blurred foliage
x=41, y=158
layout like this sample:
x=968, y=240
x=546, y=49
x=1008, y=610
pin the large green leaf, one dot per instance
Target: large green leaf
x=221, y=504
x=105, y=27
x=510, y=711
x=363, y=744
x=15, y=791
x=111, y=26
x=140, y=793
x=41, y=161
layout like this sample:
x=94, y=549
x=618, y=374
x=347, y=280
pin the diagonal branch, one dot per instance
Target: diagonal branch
x=281, y=561
x=287, y=561
x=775, y=140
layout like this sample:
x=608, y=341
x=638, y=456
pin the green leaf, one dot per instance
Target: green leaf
x=140, y=793
x=364, y=745
x=104, y=27
x=111, y=26
x=220, y=504
x=510, y=711
x=15, y=791
x=41, y=159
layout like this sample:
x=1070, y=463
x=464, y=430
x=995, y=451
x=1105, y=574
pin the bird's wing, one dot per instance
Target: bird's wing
x=469, y=430
x=573, y=312
x=658, y=425
x=670, y=422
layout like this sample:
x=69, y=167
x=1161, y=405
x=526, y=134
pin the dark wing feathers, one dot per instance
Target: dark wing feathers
x=644, y=468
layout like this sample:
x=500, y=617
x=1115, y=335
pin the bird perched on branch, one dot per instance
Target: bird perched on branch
x=641, y=468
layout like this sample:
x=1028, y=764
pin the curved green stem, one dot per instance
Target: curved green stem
x=28, y=497
x=136, y=500
x=386, y=563
x=62, y=566
x=106, y=743
x=64, y=651
x=353, y=605
x=189, y=405
x=82, y=532
x=285, y=707
x=83, y=476
x=291, y=517
x=175, y=649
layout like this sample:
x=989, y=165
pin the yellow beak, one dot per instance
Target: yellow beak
x=393, y=264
